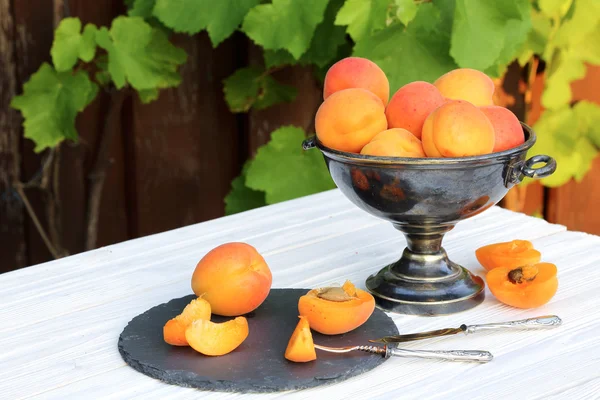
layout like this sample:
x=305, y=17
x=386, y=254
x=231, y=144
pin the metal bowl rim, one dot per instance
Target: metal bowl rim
x=433, y=161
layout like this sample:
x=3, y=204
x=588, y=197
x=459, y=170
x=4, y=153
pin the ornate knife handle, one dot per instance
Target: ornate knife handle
x=448, y=355
x=545, y=322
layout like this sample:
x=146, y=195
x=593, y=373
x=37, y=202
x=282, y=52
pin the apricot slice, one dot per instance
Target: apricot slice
x=356, y=72
x=336, y=310
x=528, y=286
x=411, y=105
x=347, y=120
x=511, y=254
x=507, y=127
x=217, y=339
x=234, y=278
x=174, y=329
x=300, y=347
x=395, y=142
x=467, y=84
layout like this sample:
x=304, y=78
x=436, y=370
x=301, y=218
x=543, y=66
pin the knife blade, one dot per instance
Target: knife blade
x=543, y=322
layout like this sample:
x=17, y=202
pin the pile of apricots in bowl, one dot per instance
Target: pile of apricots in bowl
x=453, y=117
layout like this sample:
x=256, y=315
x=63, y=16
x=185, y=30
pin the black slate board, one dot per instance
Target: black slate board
x=258, y=364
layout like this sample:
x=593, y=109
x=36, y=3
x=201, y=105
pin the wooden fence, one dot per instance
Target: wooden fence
x=172, y=160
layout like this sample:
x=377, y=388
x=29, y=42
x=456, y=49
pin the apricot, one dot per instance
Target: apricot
x=467, y=84
x=507, y=127
x=349, y=119
x=174, y=329
x=300, y=347
x=234, y=278
x=336, y=310
x=411, y=105
x=511, y=254
x=356, y=72
x=528, y=286
x=457, y=129
x=395, y=142
x=217, y=339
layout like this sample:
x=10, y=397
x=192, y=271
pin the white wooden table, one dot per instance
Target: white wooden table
x=60, y=321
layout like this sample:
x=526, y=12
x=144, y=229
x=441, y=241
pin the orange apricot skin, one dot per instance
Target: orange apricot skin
x=174, y=329
x=395, y=142
x=524, y=295
x=348, y=120
x=217, y=339
x=511, y=254
x=507, y=128
x=467, y=84
x=356, y=72
x=457, y=129
x=234, y=278
x=410, y=106
x=333, y=318
x=301, y=347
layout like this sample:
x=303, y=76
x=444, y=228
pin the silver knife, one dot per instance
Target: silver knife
x=544, y=322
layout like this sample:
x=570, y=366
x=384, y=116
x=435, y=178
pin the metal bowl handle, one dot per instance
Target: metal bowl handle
x=309, y=143
x=541, y=172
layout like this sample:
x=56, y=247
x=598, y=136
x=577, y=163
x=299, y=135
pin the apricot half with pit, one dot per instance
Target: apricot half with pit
x=335, y=310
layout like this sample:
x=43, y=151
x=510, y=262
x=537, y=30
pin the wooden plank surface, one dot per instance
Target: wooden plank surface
x=65, y=316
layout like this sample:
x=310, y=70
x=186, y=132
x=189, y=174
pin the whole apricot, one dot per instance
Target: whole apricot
x=411, y=105
x=234, y=278
x=457, y=129
x=395, y=142
x=349, y=119
x=356, y=72
x=217, y=339
x=507, y=127
x=467, y=84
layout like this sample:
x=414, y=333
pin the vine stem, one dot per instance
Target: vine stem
x=101, y=164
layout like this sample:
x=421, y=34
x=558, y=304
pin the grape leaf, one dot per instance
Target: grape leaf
x=251, y=87
x=50, y=102
x=417, y=52
x=406, y=10
x=552, y=8
x=363, y=17
x=140, y=55
x=557, y=91
x=241, y=197
x=285, y=24
x=220, y=18
x=284, y=171
x=324, y=45
x=488, y=33
x=584, y=20
x=70, y=44
x=141, y=8
x=148, y=95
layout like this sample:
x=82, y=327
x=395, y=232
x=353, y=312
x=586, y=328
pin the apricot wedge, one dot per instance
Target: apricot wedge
x=217, y=339
x=174, y=329
x=301, y=348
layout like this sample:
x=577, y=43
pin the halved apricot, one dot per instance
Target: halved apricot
x=336, y=310
x=527, y=286
x=507, y=254
x=217, y=339
x=301, y=348
x=174, y=329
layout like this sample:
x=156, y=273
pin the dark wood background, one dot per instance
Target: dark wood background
x=172, y=160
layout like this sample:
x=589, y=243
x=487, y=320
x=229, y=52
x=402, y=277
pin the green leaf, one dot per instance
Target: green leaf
x=148, y=95
x=50, y=102
x=406, y=10
x=220, y=18
x=251, y=87
x=276, y=58
x=241, y=197
x=418, y=52
x=141, y=8
x=285, y=24
x=140, y=55
x=557, y=92
x=584, y=21
x=554, y=8
x=363, y=17
x=284, y=171
x=70, y=44
x=537, y=39
x=489, y=33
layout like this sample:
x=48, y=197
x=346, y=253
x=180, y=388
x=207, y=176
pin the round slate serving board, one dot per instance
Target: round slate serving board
x=258, y=365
